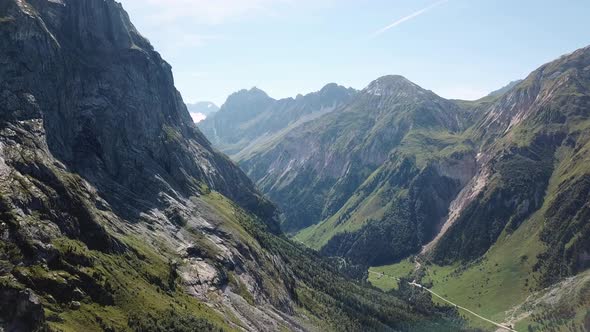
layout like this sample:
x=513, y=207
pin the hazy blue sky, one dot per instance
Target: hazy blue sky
x=457, y=48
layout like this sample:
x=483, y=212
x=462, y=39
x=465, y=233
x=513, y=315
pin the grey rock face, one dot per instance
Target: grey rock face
x=93, y=138
x=107, y=103
x=528, y=137
x=20, y=310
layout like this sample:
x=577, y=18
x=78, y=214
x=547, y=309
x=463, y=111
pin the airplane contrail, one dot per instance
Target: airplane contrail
x=409, y=17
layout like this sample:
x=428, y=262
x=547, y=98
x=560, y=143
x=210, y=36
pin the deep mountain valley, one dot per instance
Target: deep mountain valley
x=116, y=214
x=388, y=208
x=490, y=192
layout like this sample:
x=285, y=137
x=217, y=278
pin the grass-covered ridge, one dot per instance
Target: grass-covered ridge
x=518, y=252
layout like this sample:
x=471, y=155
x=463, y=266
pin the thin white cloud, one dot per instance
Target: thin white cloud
x=409, y=17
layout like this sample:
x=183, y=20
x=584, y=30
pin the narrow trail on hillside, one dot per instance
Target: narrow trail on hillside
x=414, y=284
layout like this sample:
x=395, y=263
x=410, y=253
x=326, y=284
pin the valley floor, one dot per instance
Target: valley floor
x=501, y=287
x=562, y=307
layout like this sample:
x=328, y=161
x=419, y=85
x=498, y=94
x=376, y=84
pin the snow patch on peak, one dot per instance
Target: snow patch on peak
x=198, y=117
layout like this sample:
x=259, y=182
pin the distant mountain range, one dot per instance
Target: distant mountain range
x=250, y=118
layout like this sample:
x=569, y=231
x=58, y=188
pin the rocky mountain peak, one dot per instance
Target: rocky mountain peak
x=254, y=97
x=392, y=85
x=97, y=25
x=252, y=92
x=203, y=107
x=331, y=88
x=335, y=91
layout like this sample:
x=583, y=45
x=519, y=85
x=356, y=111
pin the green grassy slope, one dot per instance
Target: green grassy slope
x=142, y=288
x=393, y=184
x=502, y=286
x=337, y=303
x=520, y=248
x=538, y=167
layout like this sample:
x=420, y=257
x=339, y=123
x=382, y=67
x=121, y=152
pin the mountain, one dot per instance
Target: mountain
x=201, y=110
x=398, y=167
x=532, y=163
x=488, y=195
x=515, y=241
x=354, y=159
x=250, y=118
x=117, y=214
